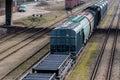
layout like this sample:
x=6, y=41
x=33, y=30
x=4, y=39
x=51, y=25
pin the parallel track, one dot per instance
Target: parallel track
x=16, y=32
x=93, y=76
x=113, y=49
x=38, y=33
x=23, y=63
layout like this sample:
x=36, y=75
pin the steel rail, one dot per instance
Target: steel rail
x=113, y=49
x=93, y=75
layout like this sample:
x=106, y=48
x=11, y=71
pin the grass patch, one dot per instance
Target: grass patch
x=37, y=20
x=30, y=19
x=82, y=70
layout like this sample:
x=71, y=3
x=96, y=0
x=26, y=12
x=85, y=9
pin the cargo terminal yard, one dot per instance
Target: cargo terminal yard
x=60, y=40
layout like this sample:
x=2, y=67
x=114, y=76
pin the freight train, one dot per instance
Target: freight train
x=70, y=4
x=67, y=40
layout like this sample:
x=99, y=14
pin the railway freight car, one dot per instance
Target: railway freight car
x=70, y=4
x=54, y=63
x=39, y=76
x=68, y=39
x=103, y=6
x=98, y=10
x=70, y=36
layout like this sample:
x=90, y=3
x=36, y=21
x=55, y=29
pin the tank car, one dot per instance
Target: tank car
x=98, y=10
x=95, y=10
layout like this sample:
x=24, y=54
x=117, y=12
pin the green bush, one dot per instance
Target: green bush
x=34, y=18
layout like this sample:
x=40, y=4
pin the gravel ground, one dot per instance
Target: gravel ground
x=116, y=64
x=10, y=62
x=5, y=45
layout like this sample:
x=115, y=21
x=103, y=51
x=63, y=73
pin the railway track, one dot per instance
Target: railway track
x=113, y=48
x=10, y=72
x=94, y=75
x=13, y=32
x=33, y=58
x=32, y=38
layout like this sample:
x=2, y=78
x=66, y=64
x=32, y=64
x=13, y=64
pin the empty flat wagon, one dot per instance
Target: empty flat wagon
x=40, y=76
x=54, y=63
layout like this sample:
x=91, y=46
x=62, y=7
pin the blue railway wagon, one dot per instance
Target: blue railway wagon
x=98, y=10
x=70, y=36
x=64, y=38
x=39, y=76
x=54, y=63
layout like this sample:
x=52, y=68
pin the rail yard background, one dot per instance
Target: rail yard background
x=27, y=41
